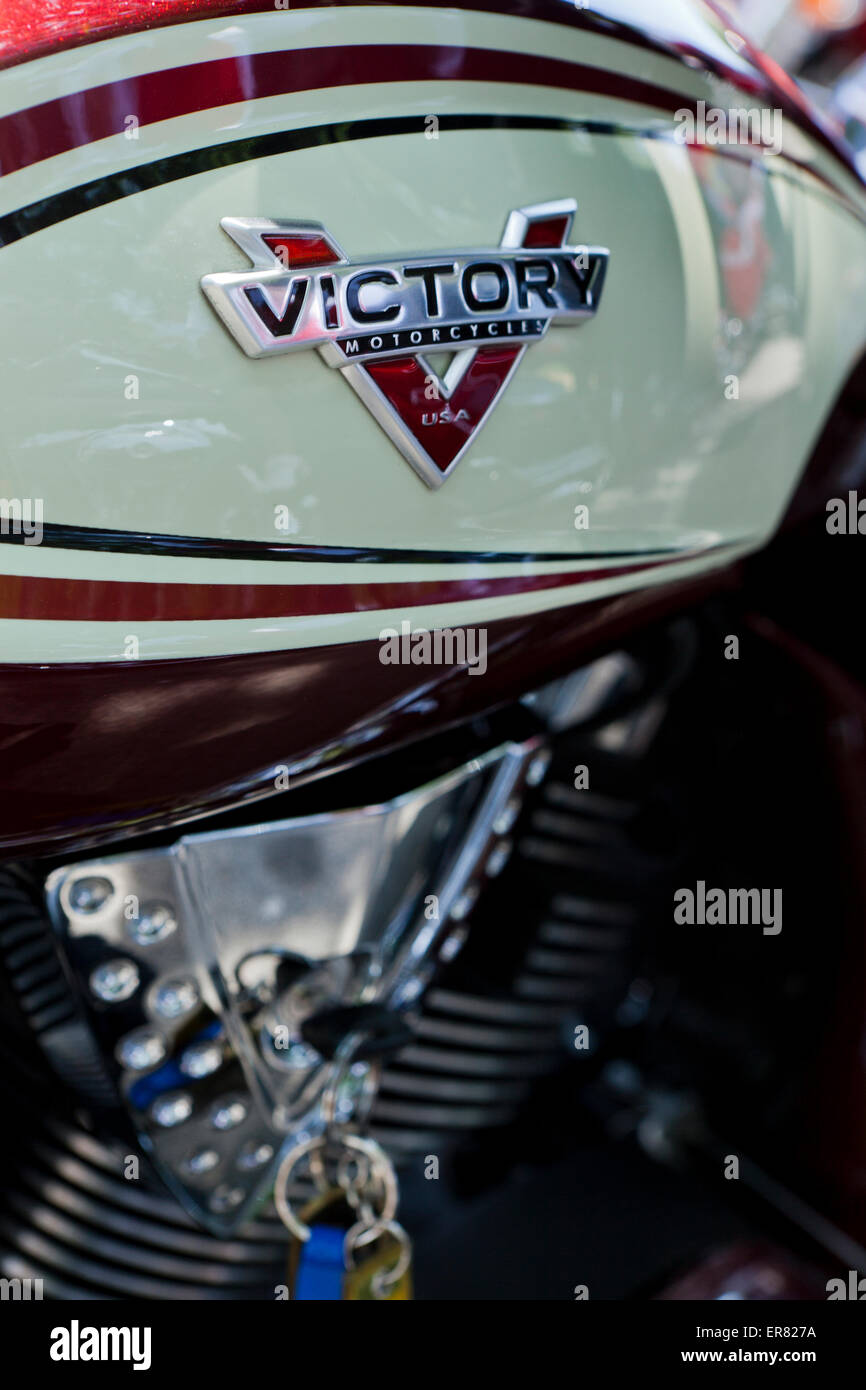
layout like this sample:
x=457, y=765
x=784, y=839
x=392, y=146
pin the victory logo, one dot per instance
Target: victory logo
x=375, y=320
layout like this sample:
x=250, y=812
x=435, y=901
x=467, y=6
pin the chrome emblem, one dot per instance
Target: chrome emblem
x=378, y=321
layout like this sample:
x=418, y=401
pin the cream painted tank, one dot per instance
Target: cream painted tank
x=194, y=502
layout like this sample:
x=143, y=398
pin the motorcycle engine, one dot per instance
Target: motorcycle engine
x=485, y=929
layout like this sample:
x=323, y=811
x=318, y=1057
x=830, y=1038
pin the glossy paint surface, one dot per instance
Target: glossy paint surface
x=151, y=420
x=93, y=752
x=670, y=25
x=642, y=449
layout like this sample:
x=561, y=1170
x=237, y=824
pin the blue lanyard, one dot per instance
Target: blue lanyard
x=321, y=1270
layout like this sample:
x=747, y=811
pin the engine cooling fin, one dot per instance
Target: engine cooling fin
x=553, y=944
x=71, y=1217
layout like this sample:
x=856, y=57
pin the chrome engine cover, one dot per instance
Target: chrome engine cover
x=199, y=964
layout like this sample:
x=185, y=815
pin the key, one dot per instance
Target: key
x=346, y=1244
x=385, y=1272
x=381, y=1032
x=347, y=1259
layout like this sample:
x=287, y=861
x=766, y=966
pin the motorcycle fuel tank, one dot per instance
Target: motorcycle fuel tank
x=334, y=329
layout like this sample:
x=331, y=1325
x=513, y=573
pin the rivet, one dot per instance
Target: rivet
x=171, y=1109
x=140, y=1050
x=89, y=894
x=115, y=981
x=154, y=922
x=229, y=1115
x=174, y=998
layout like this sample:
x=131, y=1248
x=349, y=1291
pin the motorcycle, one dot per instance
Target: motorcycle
x=431, y=729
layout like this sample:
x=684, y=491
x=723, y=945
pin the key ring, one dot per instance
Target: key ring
x=380, y=1167
x=360, y=1189
x=361, y=1234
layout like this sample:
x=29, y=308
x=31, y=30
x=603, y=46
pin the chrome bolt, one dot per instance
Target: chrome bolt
x=154, y=922
x=229, y=1115
x=90, y=894
x=115, y=981
x=175, y=998
x=226, y=1198
x=202, y=1161
x=140, y=1050
x=171, y=1109
x=201, y=1059
x=254, y=1156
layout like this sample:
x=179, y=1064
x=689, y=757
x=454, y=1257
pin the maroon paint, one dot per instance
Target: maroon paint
x=67, y=123
x=787, y=94
x=71, y=121
x=33, y=32
x=92, y=751
x=403, y=383
x=50, y=599
x=750, y=1271
x=30, y=33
